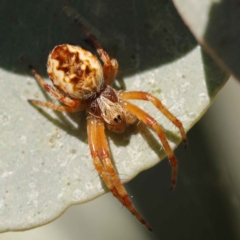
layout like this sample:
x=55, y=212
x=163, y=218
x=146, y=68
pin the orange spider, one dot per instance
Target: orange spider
x=82, y=83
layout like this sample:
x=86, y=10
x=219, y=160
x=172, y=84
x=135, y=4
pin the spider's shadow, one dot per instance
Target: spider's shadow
x=149, y=35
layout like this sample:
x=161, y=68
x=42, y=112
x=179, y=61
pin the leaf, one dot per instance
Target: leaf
x=45, y=161
x=216, y=28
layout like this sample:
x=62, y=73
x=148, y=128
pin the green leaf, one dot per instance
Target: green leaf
x=45, y=161
x=218, y=33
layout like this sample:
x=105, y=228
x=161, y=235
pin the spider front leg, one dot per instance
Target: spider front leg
x=152, y=123
x=149, y=97
x=110, y=65
x=100, y=151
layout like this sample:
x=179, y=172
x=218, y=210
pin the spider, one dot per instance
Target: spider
x=81, y=82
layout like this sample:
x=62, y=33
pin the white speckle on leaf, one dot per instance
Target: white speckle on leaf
x=60, y=195
x=23, y=139
x=33, y=198
x=6, y=174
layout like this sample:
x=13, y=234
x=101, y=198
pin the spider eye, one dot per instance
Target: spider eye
x=117, y=119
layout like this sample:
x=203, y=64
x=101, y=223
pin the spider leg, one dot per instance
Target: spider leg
x=110, y=67
x=110, y=70
x=100, y=150
x=149, y=97
x=55, y=107
x=62, y=98
x=152, y=123
x=94, y=145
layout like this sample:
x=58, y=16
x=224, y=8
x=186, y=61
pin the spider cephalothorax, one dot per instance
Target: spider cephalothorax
x=82, y=83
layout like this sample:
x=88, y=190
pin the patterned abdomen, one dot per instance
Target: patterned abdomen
x=75, y=71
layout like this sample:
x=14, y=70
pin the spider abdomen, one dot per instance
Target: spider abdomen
x=75, y=71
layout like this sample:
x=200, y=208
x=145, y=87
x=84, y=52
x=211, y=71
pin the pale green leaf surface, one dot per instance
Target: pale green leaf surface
x=216, y=28
x=45, y=162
